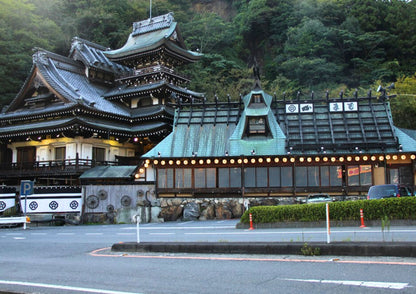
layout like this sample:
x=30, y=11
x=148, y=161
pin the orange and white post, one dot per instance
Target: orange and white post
x=251, y=221
x=362, y=218
x=328, y=228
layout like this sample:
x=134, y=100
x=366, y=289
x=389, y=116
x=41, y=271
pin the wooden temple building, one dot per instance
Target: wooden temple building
x=122, y=126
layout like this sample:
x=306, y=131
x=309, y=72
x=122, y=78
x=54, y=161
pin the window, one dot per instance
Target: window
x=204, y=178
x=60, y=153
x=359, y=175
x=274, y=176
x=229, y=177
x=165, y=178
x=255, y=177
x=183, y=178
x=287, y=176
x=98, y=154
x=256, y=125
x=331, y=176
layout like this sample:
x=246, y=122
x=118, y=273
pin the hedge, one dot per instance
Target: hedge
x=403, y=208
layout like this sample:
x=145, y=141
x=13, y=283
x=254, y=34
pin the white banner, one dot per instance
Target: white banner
x=7, y=200
x=52, y=203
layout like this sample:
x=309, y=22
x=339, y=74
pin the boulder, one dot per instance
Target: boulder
x=236, y=208
x=222, y=211
x=191, y=211
x=171, y=213
x=208, y=211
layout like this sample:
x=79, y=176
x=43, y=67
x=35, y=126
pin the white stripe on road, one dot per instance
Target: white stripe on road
x=61, y=287
x=162, y=233
x=384, y=285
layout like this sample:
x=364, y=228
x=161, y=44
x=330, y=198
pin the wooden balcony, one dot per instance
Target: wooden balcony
x=56, y=168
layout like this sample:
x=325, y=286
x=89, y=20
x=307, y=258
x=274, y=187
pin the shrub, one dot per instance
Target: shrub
x=393, y=208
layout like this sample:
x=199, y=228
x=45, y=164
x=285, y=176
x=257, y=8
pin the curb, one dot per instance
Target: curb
x=318, y=224
x=398, y=249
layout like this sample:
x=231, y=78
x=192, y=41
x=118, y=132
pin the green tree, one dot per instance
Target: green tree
x=21, y=29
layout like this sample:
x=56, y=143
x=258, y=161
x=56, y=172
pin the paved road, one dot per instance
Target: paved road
x=74, y=259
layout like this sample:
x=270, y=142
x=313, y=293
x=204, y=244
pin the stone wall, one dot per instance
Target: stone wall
x=187, y=209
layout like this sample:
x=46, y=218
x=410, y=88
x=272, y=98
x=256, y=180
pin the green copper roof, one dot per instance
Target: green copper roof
x=120, y=172
x=151, y=34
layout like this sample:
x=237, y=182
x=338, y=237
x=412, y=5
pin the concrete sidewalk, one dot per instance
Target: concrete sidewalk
x=398, y=249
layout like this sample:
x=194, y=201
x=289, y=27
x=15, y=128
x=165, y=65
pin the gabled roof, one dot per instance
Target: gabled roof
x=91, y=55
x=151, y=34
x=326, y=126
x=66, y=79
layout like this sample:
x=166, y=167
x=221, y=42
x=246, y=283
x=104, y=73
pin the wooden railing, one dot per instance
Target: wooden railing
x=50, y=167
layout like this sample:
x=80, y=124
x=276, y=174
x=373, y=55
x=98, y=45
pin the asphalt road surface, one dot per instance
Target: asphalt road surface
x=77, y=259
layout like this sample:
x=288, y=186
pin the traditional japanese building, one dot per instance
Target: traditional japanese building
x=95, y=107
x=263, y=146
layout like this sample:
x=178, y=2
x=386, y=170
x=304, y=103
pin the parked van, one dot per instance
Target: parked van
x=388, y=191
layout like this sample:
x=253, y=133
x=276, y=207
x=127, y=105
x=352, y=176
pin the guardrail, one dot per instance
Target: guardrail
x=15, y=220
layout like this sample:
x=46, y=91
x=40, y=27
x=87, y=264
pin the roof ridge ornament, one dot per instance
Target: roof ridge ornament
x=152, y=24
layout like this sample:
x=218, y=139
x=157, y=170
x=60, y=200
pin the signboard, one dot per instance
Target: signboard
x=7, y=200
x=26, y=187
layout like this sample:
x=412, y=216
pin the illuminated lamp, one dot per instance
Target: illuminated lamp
x=395, y=157
x=136, y=176
x=170, y=162
x=185, y=162
x=365, y=157
x=147, y=161
x=412, y=156
x=276, y=159
x=373, y=158
x=381, y=158
x=317, y=159
x=333, y=159
x=216, y=161
x=268, y=159
x=240, y=161
x=201, y=161
x=292, y=159
x=208, y=161
x=301, y=159
x=349, y=158
x=388, y=157
x=260, y=160
x=253, y=160
x=178, y=162
x=245, y=160
x=325, y=159
x=403, y=157
x=309, y=159
x=136, y=139
x=155, y=162
x=141, y=170
x=146, y=165
x=232, y=161
x=341, y=159
x=284, y=159
x=162, y=162
x=193, y=161
x=224, y=161
x=357, y=158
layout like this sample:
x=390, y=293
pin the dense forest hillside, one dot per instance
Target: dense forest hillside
x=298, y=45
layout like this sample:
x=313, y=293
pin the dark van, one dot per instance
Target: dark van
x=387, y=191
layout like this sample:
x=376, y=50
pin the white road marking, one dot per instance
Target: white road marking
x=61, y=287
x=65, y=234
x=178, y=228
x=19, y=238
x=162, y=233
x=384, y=285
x=94, y=234
x=38, y=234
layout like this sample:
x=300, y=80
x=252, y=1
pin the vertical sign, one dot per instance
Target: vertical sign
x=26, y=188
